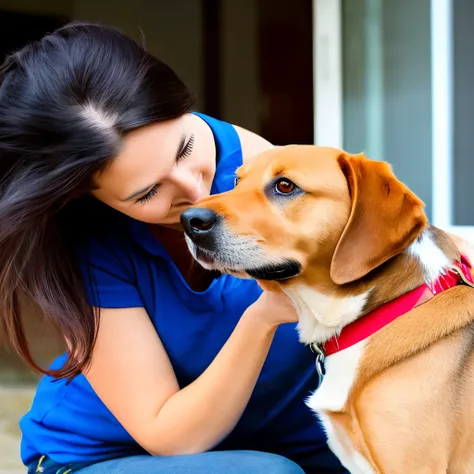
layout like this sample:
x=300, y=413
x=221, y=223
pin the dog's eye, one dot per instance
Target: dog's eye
x=284, y=186
x=236, y=181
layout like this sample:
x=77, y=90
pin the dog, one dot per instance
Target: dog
x=383, y=297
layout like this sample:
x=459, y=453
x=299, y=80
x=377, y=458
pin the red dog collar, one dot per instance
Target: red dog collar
x=374, y=321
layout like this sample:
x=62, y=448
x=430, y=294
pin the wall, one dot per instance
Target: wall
x=240, y=79
x=171, y=30
x=45, y=7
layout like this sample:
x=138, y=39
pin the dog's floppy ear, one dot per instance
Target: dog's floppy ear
x=386, y=217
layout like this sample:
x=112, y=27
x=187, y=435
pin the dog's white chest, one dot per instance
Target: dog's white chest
x=332, y=396
x=322, y=316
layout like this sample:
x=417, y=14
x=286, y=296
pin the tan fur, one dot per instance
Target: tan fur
x=411, y=406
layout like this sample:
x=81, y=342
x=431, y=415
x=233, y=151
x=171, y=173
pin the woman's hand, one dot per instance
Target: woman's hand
x=274, y=308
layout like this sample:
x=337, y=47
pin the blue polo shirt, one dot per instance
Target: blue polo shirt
x=126, y=267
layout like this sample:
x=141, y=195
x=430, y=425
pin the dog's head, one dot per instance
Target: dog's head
x=297, y=208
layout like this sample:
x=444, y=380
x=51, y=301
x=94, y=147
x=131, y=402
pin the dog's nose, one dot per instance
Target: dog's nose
x=198, y=221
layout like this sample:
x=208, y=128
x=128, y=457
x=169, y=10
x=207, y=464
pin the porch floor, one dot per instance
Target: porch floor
x=14, y=403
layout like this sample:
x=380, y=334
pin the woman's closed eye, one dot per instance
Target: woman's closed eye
x=186, y=150
x=148, y=195
x=183, y=153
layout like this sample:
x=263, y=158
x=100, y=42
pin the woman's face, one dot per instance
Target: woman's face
x=161, y=170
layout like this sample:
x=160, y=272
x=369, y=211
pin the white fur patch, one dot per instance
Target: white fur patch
x=341, y=372
x=322, y=316
x=432, y=258
x=362, y=464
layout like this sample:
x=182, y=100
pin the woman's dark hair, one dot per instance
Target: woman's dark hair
x=65, y=104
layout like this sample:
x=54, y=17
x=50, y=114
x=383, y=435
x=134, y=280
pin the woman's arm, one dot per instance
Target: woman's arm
x=132, y=374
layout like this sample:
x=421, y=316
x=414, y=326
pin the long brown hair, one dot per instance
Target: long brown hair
x=49, y=151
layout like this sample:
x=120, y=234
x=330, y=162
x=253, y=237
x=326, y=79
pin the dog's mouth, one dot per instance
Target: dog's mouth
x=271, y=272
x=276, y=272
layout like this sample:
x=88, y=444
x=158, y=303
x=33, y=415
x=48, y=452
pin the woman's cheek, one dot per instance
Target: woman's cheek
x=153, y=211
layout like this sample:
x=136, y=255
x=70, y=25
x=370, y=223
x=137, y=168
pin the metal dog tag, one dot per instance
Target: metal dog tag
x=318, y=350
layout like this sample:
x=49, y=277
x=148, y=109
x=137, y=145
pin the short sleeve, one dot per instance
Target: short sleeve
x=108, y=272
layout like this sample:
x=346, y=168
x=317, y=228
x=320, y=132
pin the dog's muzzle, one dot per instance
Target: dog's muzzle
x=216, y=248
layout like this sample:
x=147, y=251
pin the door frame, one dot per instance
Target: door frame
x=328, y=99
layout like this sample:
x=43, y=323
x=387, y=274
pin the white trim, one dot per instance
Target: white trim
x=442, y=72
x=442, y=112
x=374, y=80
x=327, y=73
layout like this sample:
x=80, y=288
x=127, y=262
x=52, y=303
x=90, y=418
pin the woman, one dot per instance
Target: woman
x=100, y=152
x=99, y=155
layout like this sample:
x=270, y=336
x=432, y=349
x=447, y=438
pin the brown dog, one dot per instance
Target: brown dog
x=351, y=245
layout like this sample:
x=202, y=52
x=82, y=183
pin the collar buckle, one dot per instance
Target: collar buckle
x=318, y=349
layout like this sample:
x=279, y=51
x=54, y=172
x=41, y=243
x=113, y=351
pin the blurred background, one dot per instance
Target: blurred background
x=392, y=78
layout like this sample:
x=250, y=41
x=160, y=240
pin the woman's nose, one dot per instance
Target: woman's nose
x=189, y=186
